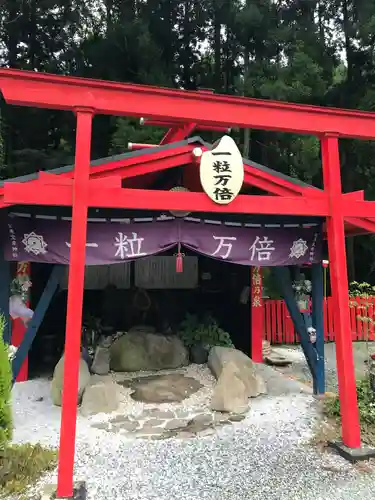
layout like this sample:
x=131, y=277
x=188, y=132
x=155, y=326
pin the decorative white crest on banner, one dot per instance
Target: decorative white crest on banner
x=222, y=172
x=34, y=243
x=298, y=249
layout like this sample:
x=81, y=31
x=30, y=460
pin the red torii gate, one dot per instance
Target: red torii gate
x=187, y=110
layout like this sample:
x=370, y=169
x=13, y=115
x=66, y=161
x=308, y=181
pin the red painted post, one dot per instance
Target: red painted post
x=75, y=303
x=257, y=315
x=351, y=433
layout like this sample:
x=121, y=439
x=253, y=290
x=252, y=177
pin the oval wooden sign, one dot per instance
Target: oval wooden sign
x=222, y=172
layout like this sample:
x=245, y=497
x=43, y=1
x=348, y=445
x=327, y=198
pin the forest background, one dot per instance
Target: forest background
x=306, y=51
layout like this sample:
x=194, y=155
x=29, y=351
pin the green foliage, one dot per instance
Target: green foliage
x=21, y=466
x=206, y=332
x=316, y=52
x=5, y=390
x=363, y=290
x=366, y=403
x=130, y=131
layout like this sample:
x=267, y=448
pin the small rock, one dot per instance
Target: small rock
x=100, y=365
x=100, y=398
x=198, y=354
x=236, y=418
x=207, y=432
x=127, y=426
x=103, y=426
x=119, y=419
x=185, y=435
x=57, y=381
x=220, y=417
x=202, y=419
x=153, y=422
x=155, y=413
x=176, y=424
x=164, y=388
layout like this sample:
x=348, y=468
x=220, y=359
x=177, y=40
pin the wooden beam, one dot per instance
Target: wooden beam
x=39, y=313
x=284, y=281
x=28, y=88
x=15, y=193
x=356, y=209
x=368, y=225
x=355, y=196
x=317, y=316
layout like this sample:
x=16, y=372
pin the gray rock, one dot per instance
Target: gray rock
x=137, y=351
x=100, y=398
x=100, y=365
x=152, y=423
x=242, y=366
x=202, y=419
x=164, y=388
x=155, y=413
x=198, y=354
x=230, y=394
x=128, y=426
x=57, y=381
x=175, y=424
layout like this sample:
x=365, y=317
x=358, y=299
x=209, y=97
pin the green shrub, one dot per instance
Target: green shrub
x=6, y=426
x=366, y=403
x=207, y=332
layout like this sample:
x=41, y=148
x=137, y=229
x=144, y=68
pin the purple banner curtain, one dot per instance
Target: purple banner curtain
x=48, y=241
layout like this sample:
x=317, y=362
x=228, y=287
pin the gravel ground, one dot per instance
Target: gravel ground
x=267, y=456
x=299, y=368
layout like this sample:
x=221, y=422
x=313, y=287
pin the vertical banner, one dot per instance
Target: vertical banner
x=257, y=315
x=18, y=327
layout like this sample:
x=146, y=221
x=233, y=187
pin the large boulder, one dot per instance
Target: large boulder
x=101, y=397
x=230, y=393
x=136, y=351
x=222, y=359
x=57, y=381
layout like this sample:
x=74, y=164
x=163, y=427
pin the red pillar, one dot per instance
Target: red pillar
x=257, y=315
x=75, y=303
x=351, y=433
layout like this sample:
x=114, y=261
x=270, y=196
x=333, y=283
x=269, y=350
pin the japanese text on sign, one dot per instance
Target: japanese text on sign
x=222, y=172
x=256, y=288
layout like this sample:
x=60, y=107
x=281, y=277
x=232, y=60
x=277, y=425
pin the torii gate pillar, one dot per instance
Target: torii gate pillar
x=351, y=433
x=72, y=353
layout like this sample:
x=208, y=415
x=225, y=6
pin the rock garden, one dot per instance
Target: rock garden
x=146, y=385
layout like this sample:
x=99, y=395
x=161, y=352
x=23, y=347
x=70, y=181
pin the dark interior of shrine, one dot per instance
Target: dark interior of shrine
x=220, y=291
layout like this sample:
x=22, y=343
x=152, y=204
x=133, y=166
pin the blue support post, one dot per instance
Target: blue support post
x=318, y=323
x=283, y=277
x=5, y=280
x=40, y=311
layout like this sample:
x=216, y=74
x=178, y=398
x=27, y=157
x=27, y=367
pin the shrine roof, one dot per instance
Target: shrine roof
x=110, y=166
x=196, y=140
